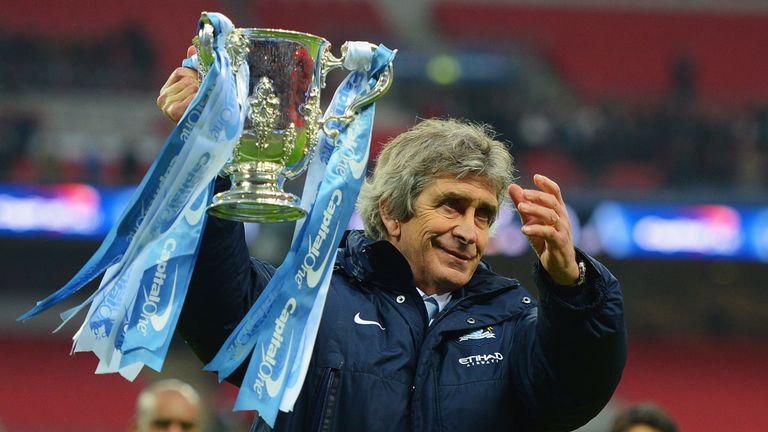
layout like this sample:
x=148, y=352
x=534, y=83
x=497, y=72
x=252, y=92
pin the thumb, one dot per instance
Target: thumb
x=191, y=51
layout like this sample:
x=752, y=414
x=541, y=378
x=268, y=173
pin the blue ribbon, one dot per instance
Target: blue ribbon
x=149, y=254
x=274, y=326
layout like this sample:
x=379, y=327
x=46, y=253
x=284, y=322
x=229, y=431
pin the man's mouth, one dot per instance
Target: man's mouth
x=459, y=255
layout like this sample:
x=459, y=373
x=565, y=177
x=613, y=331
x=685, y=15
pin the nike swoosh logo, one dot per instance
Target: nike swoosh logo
x=159, y=321
x=274, y=386
x=359, y=167
x=361, y=321
x=313, y=274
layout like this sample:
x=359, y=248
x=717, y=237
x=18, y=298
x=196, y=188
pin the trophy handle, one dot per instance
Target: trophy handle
x=380, y=89
x=204, y=44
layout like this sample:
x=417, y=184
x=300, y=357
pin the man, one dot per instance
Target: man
x=168, y=405
x=490, y=358
x=644, y=417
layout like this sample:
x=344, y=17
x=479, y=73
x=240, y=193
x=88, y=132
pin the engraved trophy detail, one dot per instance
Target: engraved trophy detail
x=283, y=125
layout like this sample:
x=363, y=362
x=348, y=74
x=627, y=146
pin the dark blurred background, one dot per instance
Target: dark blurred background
x=652, y=115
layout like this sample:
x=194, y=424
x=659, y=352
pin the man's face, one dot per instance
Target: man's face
x=175, y=413
x=445, y=238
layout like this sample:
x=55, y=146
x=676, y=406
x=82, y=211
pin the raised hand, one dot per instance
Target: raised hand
x=548, y=227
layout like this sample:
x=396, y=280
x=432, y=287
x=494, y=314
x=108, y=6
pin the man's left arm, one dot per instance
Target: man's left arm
x=579, y=348
x=576, y=342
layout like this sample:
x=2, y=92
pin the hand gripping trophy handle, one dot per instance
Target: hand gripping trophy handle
x=287, y=71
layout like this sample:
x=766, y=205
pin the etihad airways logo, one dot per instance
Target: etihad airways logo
x=265, y=378
x=311, y=268
x=152, y=298
x=481, y=359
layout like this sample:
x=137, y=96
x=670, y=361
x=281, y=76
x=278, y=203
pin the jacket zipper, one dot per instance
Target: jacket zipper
x=327, y=398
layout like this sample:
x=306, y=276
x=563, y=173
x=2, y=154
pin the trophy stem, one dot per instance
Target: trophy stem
x=255, y=196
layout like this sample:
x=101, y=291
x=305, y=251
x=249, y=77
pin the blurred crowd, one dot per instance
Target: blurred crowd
x=120, y=61
x=676, y=141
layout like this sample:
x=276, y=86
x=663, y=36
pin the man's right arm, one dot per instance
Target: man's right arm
x=225, y=283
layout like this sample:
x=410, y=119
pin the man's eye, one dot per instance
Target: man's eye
x=161, y=424
x=483, y=217
x=448, y=208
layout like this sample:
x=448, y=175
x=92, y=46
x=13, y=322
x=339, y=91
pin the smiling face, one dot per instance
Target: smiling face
x=445, y=238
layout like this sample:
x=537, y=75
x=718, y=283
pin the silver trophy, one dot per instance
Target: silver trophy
x=281, y=131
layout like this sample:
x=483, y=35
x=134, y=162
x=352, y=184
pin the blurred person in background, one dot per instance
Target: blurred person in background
x=646, y=417
x=417, y=332
x=168, y=405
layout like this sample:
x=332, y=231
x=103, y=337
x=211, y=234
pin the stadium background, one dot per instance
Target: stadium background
x=657, y=108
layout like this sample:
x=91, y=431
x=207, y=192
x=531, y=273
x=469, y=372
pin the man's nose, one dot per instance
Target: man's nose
x=465, y=230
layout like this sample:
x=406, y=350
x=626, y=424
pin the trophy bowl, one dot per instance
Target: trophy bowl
x=287, y=70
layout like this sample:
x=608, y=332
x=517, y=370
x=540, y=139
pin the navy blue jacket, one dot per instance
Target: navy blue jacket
x=494, y=359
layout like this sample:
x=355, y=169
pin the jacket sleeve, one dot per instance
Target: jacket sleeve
x=574, y=349
x=225, y=283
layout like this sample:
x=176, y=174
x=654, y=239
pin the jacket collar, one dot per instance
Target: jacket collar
x=380, y=262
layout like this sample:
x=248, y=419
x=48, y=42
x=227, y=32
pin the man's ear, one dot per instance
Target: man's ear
x=392, y=225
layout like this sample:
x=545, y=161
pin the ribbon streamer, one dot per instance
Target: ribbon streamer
x=148, y=256
x=278, y=327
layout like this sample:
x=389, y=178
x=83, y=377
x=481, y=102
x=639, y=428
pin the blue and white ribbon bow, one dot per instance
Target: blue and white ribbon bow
x=148, y=256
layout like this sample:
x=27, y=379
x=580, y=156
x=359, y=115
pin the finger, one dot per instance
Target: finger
x=177, y=110
x=179, y=78
x=178, y=91
x=548, y=233
x=557, y=241
x=185, y=84
x=178, y=74
x=192, y=50
x=537, y=213
x=525, y=209
x=175, y=106
x=175, y=100
x=545, y=199
x=548, y=185
x=515, y=194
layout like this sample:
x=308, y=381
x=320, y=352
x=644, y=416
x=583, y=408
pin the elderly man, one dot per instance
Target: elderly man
x=418, y=334
x=168, y=405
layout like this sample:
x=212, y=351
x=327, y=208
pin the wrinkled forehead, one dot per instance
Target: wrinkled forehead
x=470, y=186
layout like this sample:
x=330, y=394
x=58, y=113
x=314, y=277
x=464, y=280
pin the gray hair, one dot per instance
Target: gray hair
x=415, y=158
x=145, y=403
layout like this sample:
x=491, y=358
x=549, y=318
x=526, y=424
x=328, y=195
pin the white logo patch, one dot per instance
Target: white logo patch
x=359, y=167
x=481, y=359
x=193, y=215
x=361, y=321
x=274, y=386
x=313, y=274
x=159, y=321
x=479, y=334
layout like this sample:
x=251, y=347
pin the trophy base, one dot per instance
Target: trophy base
x=257, y=207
